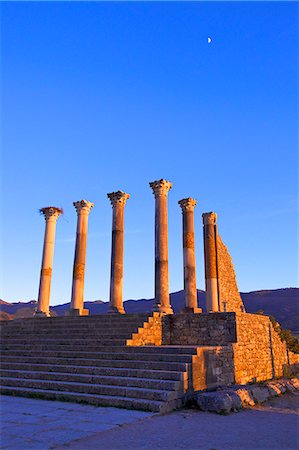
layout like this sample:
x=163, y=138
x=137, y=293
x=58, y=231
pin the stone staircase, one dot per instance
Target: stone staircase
x=86, y=359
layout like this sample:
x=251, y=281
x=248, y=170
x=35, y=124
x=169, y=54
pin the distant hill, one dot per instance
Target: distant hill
x=283, y=304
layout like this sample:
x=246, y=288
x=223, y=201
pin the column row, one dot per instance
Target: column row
x=162, y=299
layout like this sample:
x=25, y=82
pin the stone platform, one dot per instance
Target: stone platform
x=86, y=359
x=148, y=362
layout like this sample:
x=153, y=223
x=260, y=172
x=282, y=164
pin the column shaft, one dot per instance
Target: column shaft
x=118, y=200
x=77, y=302
x=43, y=306
x=211, y=271
x=190, y=292
x=162, y=301
x=117, y=255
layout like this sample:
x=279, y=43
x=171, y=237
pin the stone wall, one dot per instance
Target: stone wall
x=229, y=296
x=149, y=334
x=279, y=352
x=212, y=367
x=259, y=353
x=293, y=358
x=252, y=352
x=199, y=329
x=232, y=347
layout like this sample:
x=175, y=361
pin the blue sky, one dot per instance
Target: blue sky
x=98, y=97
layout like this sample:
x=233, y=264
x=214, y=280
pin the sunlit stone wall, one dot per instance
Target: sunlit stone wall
x=229, y=296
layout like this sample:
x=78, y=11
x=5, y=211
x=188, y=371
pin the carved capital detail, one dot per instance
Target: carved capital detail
x=209, y=218
x=51, y=212
x=187, y=204
x=160, y=187
x=118, y=198
x=83, y=206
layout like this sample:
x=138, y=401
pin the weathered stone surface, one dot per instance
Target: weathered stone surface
x=190, y=296
x=229, y=296
x=199, y=329
x=295, y=383
x=149, y=334
x=289, y=387
x=233, y=347
x=83, y=209
x=51, y=215
x=260, y=394
x=273, y=389
x=222, y=293
x=219, y=402
x=118, y=200
x=236, y=400
x=245, y=396
x=259, y=353
x=160, y=190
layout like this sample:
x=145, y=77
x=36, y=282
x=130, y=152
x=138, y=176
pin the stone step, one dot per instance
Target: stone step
x=45, y=337
x=130, y=364
x=101, y=371
x=91, y=317
x=92, y=399
x=148, y=383
x=75, y=343
x=115, y=356
x=69, y=324
x=88, y=388
x=104, y=342
x=192, y=350
x=74, y=322
x=72, y=330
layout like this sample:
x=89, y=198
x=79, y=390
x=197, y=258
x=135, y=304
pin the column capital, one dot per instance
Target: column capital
x=160, y=187
x=187, y=204
x=83, y=206
x=209, y=218
x=118, y=198
x=51, y=212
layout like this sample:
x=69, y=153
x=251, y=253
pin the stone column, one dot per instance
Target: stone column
x=118, y=200
x=190, y=293
x=83, y=209
x=211, y=272
x=51, y=215
x=160, y=189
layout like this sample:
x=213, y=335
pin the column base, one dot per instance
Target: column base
x=116, y=310
x=39, y=314
x=77, y=312
x=187, y=310
x=162, y=309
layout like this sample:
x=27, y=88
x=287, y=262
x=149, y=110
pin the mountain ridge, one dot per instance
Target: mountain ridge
x=282, y=303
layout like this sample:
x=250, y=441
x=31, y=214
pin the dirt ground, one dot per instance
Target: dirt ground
x=273, y=425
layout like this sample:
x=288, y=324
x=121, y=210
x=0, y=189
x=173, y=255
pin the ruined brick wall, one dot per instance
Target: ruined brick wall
x=293, y=358
x=279, y=352
x=259, y=353
x=149, y=334
x=199, y=329
x=252, y=352
x=232, y=347
x=229, y=296
x=212, y=367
